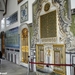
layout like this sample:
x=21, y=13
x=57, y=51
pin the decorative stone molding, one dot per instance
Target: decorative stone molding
x=51, y=40
x=64, y=22
x=47, y=6
x=36, y=16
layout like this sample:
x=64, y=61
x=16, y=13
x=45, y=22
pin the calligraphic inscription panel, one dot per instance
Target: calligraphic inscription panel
x=48, y=25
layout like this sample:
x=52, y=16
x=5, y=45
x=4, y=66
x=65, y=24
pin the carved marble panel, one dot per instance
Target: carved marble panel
x=40, y=55
x=59, y=57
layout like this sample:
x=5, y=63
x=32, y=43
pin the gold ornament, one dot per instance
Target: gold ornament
x=47, y=6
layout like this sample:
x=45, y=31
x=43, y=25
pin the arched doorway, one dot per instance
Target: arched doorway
x=24, y=45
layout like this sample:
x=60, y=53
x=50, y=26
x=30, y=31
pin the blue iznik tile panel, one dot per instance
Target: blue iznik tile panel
x=12, y=38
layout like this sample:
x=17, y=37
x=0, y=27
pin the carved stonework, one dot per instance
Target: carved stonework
x=64, y=22
x=51, y=40
x=63, y=13
x=37, y=6
x=47, y=7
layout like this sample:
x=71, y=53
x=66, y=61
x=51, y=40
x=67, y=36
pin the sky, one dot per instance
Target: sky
x=72, y=4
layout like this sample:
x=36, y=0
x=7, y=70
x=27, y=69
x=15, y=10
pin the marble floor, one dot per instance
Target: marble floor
x=9, y=68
